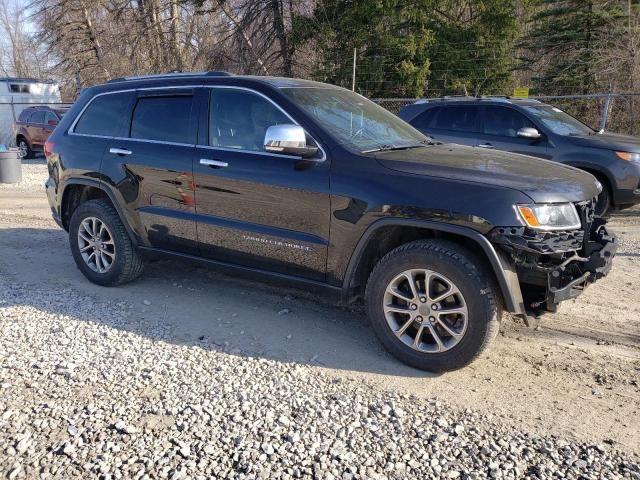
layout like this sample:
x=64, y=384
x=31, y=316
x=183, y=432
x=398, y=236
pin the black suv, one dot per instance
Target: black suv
x=306, y=182
x=533, y=128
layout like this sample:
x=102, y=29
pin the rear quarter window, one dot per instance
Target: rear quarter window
x=426, y=118
x=107, y=115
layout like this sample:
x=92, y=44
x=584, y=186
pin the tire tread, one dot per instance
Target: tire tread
x=457, y=254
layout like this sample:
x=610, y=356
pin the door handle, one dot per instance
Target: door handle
x=213, y=163
x=485, y=145
x=119, y=151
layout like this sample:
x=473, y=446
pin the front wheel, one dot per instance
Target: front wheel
x=101, y=246
x=432, y=306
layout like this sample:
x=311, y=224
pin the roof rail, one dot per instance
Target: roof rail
x=494, y=98
x=170, y=75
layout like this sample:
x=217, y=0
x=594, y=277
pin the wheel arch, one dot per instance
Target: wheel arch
x=386, y=234
x=79, y=190
x=597, y=171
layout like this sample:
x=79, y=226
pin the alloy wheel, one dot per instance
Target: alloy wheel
x=96, y=244
x=425, y=310
x=23, y=149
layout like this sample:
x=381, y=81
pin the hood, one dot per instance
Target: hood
x=541, y=180
x=610, y=141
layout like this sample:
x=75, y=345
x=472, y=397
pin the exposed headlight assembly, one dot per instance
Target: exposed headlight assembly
x=550, y=216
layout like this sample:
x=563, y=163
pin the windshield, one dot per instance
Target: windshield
x=355, y=121
x=559, y=122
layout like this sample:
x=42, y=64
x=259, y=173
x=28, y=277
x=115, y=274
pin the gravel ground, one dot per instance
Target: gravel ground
x=190, y=374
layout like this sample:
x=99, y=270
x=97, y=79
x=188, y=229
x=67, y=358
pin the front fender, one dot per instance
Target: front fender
x=502, y=267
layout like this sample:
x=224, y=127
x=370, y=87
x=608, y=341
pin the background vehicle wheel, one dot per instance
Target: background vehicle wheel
x=101, y=246
x=432, y=306
x=24, y=149
x=604, y=200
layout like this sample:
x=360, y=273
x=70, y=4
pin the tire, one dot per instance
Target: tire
x=474, y=292
x=603, y=203
x=126, y=263
x=24, y=148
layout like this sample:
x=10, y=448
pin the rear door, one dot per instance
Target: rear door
x=255, y=208
x=152, y=166
x=500, y=127
x=35, y=128
x=451, y=124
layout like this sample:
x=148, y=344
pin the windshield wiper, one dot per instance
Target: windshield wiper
x=388, y=148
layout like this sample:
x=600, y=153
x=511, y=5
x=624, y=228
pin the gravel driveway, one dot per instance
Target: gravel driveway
x=188, y=373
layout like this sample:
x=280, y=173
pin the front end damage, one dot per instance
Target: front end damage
x=553, y=266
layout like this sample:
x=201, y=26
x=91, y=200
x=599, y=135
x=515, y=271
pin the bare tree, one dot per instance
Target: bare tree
x=20, y=55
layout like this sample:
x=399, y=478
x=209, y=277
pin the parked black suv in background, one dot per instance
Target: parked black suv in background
x=34, y=126
x=302, y=181
x=533, y=128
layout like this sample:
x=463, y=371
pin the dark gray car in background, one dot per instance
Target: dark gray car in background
x=534, y=128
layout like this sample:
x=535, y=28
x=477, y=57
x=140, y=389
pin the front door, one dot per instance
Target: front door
x=500, y=132
x=153, y=167
x=258, y=209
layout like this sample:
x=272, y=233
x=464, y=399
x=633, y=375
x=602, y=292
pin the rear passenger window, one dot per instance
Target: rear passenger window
x=425, y=119
x=164, y=118
x=457, y=119
x=106, y=115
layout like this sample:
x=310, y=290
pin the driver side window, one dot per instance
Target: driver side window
x=504, y=122
x=239, y=119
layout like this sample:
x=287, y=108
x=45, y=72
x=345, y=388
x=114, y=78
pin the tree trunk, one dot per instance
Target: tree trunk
x=94, y=42
x=285, y=48
x=227, y=11
x=175, y=37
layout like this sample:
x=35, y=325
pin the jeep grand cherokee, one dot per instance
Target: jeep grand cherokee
x=301, y=181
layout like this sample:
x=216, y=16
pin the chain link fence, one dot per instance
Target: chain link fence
x=618, y=113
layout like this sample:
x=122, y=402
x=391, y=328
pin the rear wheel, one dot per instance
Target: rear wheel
x=101, y=246
x=24, y=149
x=432, y=306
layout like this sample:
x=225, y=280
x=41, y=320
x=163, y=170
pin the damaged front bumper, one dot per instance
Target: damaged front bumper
x=556, y=266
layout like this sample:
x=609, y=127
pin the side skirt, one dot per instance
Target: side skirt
x=251, y=273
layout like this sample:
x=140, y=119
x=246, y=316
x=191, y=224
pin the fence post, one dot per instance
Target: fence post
x=353, y=78
x=605, y=113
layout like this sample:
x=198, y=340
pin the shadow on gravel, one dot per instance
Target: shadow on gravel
x=188, y=304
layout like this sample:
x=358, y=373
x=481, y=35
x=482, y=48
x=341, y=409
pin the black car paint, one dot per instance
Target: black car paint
x=298, y=218
x=594, y=153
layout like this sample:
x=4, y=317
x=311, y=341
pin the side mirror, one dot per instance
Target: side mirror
x=53, y=123
x=530, y=133
x=288, y=139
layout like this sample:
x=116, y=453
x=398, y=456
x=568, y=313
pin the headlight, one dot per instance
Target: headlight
x=558, y=216
x=629, y=156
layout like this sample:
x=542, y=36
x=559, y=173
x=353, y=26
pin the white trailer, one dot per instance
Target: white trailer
x=16, y=94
